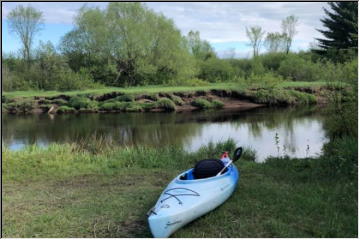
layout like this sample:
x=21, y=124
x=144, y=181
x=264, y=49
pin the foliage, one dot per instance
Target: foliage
x=79, y=102
x=145, y=47
x=341, y=30
x=166, y=103
x=25, y=22
x=200, y=49
x=194, y=82
x=288, y=26
x=66, y=109
x=216, y=70
x=176, y=99
x=276, y=42
x=217, y=104
x=255, y=35
x=281, y=97
x=20, y=106
x=267, y=80
x=340, y=159
x=202, y=103
x=298, y=69
x=125, y=98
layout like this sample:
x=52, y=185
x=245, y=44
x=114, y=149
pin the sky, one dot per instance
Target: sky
x=223, y=24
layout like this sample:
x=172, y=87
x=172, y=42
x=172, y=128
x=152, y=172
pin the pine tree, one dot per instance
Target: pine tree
x=341, y=29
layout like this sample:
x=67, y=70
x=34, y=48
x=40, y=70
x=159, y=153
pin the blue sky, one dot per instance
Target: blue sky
x=222, y=24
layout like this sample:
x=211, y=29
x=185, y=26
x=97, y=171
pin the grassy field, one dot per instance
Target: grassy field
x=151, y=89
x=68, y=191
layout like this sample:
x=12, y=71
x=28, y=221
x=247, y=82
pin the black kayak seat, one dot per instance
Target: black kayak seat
x=208, y=168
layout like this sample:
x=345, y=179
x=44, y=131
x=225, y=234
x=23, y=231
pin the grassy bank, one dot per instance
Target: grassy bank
x=68, y=191
x=158, y=98
x=152, y=89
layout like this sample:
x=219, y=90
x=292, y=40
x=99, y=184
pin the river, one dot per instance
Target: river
x=297, y=132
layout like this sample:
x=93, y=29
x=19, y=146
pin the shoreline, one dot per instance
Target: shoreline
x=169, y=101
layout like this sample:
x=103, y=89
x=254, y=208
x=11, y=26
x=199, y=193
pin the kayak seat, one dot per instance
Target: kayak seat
x=208, y=168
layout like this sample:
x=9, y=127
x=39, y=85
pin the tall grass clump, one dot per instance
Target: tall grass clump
x=99, y=154
x=201, y=103
x=79, y=102
x=166, y=104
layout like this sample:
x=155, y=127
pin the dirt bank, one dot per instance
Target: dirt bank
x=174, y=101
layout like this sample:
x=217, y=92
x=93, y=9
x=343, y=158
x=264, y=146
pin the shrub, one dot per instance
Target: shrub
x=217, y=104
x=69, y=80
x=133, y=107
x=125, y=98
x=113, y=106
x=194, y=82
x=166, y=103
x=201, y=103
x=177, y=100
x=340, y=158
x=267, y=80
x=66, y=109
x=216, y=70
x=282, y=96
x=298, y=69
x=20, y=106
x=78, y=102
x=272, y=61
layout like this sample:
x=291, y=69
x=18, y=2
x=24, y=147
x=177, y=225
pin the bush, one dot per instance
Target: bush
x=201, y=103
x=216, y=70
x=108, y=106
x=177, y=100
x=272, y=61
x=69, y=80
x=268, y=80
x=133, y=107
x=20, y=106
x=66, y=109
x=125, y=98
x=194, y=82
x=281, y=96
x=166, y=103
x=78, y=102
x=298, y=69
x=340, y=158
x=217, y=104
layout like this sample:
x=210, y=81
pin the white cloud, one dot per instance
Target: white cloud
x=218, y=22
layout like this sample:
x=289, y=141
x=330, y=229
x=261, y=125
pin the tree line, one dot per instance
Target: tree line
x=128, y=44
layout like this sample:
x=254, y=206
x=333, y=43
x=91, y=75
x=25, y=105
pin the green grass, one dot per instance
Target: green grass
x=149, y=89
x=97, y=190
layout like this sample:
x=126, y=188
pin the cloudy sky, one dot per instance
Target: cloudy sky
x=222, y=24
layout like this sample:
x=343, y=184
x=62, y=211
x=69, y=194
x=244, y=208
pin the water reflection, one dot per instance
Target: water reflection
x=295, y=132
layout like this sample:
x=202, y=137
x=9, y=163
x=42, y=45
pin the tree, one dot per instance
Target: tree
x=144, y=47
x=289, y=29
x=341, y=29
x=255, y=35
x=276, y=42
x=200, y=49
x=25, y=22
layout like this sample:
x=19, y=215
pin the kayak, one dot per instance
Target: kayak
x=186, y=199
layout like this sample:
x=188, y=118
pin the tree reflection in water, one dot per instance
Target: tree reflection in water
x=298, y=128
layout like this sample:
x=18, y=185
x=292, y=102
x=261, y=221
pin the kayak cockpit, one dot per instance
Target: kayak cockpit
x=189, y=175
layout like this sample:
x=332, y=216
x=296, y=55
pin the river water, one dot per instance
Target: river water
x=297, y=132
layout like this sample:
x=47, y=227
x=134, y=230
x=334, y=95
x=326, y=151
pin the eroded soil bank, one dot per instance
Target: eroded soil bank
x=170, y=101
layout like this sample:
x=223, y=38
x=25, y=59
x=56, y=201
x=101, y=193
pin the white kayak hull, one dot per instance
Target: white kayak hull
x=185, y=200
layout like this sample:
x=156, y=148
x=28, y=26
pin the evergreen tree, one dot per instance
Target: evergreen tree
x=340, y=29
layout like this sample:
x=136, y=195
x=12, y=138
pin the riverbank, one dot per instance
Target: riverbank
x=158, y=99
x=103, y=191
